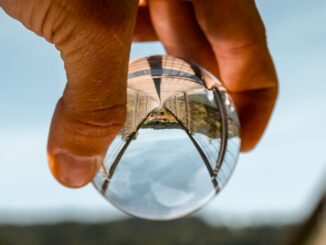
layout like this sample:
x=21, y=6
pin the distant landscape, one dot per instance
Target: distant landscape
x=133, y=231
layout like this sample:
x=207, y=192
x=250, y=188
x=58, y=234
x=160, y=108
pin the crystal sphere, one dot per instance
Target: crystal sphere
x=179, y=144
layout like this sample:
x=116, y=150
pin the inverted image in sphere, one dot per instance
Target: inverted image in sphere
x=179, y=144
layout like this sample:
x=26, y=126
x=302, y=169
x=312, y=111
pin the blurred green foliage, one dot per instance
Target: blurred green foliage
x=133, y=231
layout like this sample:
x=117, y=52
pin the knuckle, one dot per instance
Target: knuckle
x=102, y=121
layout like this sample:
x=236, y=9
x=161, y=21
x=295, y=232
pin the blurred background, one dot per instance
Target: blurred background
x=273, y=191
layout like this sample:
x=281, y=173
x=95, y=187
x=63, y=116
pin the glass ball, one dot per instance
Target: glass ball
x=179, y=144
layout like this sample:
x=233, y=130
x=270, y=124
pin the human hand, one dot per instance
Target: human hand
x=228, y=38
x=94, y=38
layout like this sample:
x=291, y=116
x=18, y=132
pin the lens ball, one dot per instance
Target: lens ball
x=179, y=144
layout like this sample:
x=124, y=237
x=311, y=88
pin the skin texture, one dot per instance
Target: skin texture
x=228, y=38
x=94, y=37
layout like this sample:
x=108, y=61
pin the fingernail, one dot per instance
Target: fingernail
x=72, y=170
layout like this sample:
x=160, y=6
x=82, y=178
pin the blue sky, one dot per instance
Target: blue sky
x=281, y=178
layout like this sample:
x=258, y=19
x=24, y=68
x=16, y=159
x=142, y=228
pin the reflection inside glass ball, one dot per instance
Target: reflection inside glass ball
x=179, y=145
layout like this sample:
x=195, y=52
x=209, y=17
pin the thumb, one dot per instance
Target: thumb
x=92, y=108
x=94, y=39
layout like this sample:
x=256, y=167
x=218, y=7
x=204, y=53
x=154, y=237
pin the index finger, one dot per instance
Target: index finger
x=237, y=36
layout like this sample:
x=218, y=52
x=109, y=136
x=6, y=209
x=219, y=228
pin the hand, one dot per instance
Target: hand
x=94, y=38
x=228, y=38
